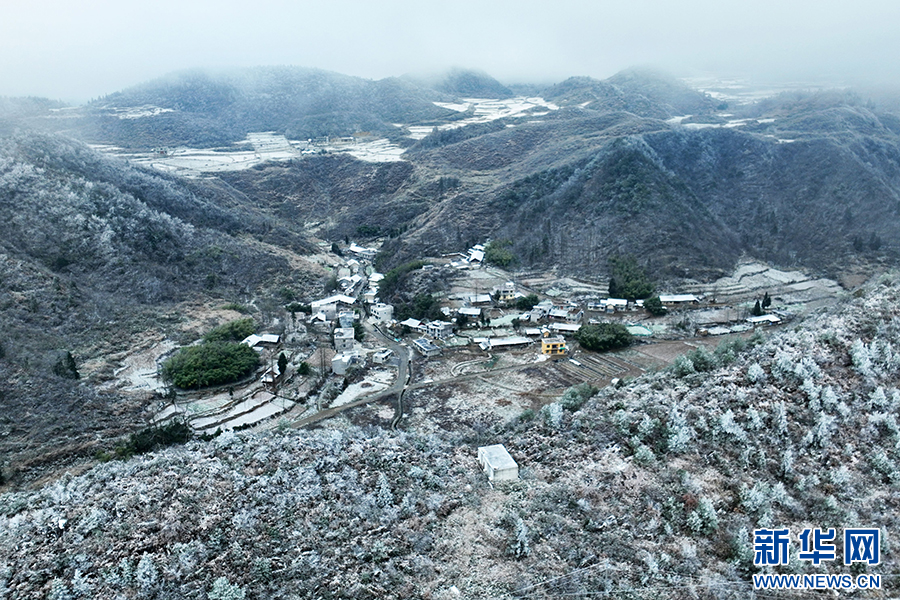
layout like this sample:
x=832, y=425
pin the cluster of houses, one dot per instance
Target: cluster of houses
x=546, y=323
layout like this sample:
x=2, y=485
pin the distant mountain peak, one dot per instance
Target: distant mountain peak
x=467, y=83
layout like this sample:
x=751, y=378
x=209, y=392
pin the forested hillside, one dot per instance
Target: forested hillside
x=802, y=179
x=93, y=253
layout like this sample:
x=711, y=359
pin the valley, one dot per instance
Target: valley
x=674, y=305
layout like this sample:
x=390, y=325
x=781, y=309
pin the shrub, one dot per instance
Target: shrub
x=212, y=363
x=603, y=336
x=65, y=366
x=152, y=438
x=233, y=331
x=222, y=589
x=575, y=397
x=235, y=307
x=756, y=374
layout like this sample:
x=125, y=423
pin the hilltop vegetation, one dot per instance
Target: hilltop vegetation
x=204, y=109
x=654, y=485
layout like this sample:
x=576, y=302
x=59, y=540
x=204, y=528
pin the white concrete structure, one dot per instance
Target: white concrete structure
x=564, y=327
x=678, y=299
x=327, y=312
x=497, y=463
x=505, y=292
x=341, y=362
x=764, y=320
x=382, y=356
x=382, y=313
x=361, y=252
x=425, y=347
x=346, y=318
x=440, y=330
x=412, y=324
x=343, y=339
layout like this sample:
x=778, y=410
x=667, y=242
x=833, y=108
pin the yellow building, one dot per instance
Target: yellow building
x=553, y=345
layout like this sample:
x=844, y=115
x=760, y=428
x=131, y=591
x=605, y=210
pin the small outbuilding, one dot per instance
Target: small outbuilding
x=497, y=463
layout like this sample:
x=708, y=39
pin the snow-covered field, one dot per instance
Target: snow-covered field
x=269, y=146
x=485, y=110
x=375, y=382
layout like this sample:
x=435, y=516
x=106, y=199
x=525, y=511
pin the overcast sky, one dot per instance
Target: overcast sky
x=76, y=50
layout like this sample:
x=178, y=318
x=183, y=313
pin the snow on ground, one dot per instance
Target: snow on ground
x=265, y=411
x=451, y=106
x=259, y=406
x=374, y=150
x=375, y=382
x=728, y=125
x=138, y=112
x=138, y=372
x=269, y=146
x=485, y=110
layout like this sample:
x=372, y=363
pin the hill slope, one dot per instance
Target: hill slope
x=95, y=254
x=654, y=486
x=203, y=109
x=815, y=183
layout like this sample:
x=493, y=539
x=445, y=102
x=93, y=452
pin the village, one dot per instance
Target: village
x=504, y=344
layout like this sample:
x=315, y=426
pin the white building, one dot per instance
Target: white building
x=341, y=362
x=764, y=320
x=382, y=356
x=346, y=318
x=382, y=313
x=361, y=252
x=570, y=328
x=328, y=306
x=343, y=339
x=505, y=292
x=414, y=324
x=425, y=347
x=440, y=330
x=497, y=463
x=678, y=299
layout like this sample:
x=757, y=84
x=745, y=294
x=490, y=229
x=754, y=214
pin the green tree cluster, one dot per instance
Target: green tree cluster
x=628, y=279
x=654, y=306
x=527, y=302
x=393, y=279
x=757, y=310
x=423, y=307
x=498, y=253
x=210, y=363
x=603, y=336
x=233, y=331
